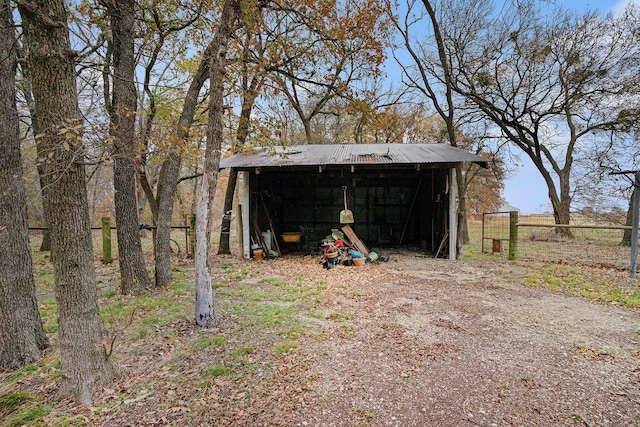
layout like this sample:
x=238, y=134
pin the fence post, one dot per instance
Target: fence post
x=106, y=240
x=513, y=234
x=192, y=234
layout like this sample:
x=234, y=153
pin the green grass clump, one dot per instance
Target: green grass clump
x=12, y=404
x=285, y=347
x=243, y=351
x=567, y=278
x=29, y=415
x=254, y=314
x=180, y=289
x=274, y=281
x=206, y=341
x=217, y=370
x=48, y=313
x=12, y=400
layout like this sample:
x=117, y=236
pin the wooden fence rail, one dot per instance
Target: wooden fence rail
x=106, y=227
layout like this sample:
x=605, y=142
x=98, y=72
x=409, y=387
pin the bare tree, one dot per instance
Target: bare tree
x=169, y=176
x=548, y=79
x=21, y=334
x=323, y=56
x=429, y=73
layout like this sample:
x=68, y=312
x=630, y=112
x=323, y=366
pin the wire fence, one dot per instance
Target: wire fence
x=539, y=238
x=180, y=240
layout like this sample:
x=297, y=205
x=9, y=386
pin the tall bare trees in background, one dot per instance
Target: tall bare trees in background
x=549, y=80
x=428, y=71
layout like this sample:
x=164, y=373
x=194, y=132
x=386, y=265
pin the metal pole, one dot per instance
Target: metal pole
x=634, y=228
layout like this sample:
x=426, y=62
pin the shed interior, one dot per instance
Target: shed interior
x=391, y=206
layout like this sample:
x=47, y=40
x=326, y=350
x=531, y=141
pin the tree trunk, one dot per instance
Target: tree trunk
x=562, y=205
x=84, y=364
x=626, y=236
x=45, y=245
x=462, y=206
x=170, y=172
x=204, y=309
x=21, y=335
x=241, y=138
x=133, y=272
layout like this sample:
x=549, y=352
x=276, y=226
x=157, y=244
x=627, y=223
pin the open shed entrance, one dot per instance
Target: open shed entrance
x=390, y=207
x=400, y=194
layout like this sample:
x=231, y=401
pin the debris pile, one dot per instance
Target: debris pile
x=345, y=248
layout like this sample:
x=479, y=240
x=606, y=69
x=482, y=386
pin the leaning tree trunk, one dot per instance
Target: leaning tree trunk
x=204, y=308
x=84, y=366
x=170, y=171
x=21, y=335
x=133, y=272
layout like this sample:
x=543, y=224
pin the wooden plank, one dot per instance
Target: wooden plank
x=357, y=243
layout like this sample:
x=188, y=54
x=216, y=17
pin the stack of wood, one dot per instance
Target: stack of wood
x=355, y=241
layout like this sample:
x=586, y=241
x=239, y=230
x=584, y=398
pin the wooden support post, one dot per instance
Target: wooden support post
x=453, y=216
x=633, y=266
x=106, y=240
x=192, y=235
x=513, y=234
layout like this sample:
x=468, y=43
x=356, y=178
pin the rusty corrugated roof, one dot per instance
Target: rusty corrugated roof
x=351, y=154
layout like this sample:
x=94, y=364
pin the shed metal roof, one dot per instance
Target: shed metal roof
x=352, y=154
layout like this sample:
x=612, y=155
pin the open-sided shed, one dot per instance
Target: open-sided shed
x=400, y=194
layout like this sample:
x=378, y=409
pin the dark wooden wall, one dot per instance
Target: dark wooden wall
x=390, y=206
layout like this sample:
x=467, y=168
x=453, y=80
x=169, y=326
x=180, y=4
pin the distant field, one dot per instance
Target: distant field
x=588, y=243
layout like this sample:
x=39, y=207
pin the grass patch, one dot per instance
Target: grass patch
x=243, y=351
x=568, y=278
x=206, y=341
x=108, y=294
x=254, y=314
x=285, y=347
x=217, y=370
x=178, y=361
x=339, y=316
x=11, y=401
x=180, y=288
x=45, y=279
x=25, y=370
x=29, y=415
x=274, y=281
x=48, y=313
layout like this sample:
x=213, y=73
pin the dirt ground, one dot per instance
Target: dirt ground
x=452, y=344
x=411, y=342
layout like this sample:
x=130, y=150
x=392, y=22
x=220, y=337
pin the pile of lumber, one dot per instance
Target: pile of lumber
x=355, y=241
